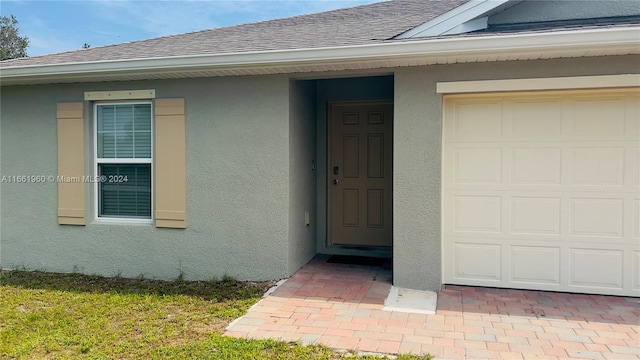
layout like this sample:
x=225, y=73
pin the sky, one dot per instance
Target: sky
x=58, y=26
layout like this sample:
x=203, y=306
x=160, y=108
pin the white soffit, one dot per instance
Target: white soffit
x=556, y=83
x=465, y=18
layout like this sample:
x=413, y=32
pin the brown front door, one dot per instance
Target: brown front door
x=360, y=173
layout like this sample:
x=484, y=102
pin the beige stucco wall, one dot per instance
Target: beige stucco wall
x=418, y=151
x=237, y=186
x=302, y=170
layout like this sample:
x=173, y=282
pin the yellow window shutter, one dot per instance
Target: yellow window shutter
x=71, y=206
x=170, y=164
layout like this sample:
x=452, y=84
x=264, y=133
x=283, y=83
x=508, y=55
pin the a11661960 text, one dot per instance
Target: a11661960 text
x=41, y=179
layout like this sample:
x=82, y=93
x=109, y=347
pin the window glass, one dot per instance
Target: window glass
x=123, y=158
x=124, y=131
x=125, y=190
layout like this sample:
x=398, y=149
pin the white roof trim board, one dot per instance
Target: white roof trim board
x=120, y=95
x=555, y=83
x=462, y=19
x=575, y=43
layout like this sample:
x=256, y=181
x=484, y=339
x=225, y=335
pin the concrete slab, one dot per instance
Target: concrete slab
x=411, y=301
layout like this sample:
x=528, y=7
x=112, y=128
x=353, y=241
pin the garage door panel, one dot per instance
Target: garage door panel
x=477, y=214
x=596, y=268
x=536, y=118
x=636, y=270
x=535, y=265
x=632, y=117
x=597, y=217
x=536, y=166
x=477, y=165
x=467, y=266
x=535, y=215
x=635, y=219
x=597, y=166
x=586, y=217
x=546, y=194
x=596, y=117
x=470, y=122
x=634, y=168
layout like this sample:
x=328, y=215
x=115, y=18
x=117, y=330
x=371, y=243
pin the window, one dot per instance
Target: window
x=123, y=134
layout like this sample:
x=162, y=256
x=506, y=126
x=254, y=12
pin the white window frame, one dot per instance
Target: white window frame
x=96, y=185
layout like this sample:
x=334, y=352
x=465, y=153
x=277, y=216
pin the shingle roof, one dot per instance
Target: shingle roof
x=361, y=25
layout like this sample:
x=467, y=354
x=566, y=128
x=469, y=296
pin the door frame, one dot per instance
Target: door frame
x=328, y=178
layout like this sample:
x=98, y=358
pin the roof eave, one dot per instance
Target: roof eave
x=570, y=43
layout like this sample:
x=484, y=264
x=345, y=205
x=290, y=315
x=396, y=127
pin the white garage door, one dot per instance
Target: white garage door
x=541, y=191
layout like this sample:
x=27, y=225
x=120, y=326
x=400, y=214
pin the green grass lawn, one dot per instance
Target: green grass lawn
x=62, y=316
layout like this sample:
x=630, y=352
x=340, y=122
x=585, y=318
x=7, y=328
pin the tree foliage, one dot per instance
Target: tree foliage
x=12, y=45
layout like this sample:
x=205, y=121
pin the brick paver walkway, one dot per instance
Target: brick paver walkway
x=341, y=306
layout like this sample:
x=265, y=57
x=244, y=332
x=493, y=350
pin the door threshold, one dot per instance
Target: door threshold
x=368, y=251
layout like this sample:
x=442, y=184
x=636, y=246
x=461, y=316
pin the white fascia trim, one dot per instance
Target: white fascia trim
x=552, y=44
x=555, y=83
x=447, y=22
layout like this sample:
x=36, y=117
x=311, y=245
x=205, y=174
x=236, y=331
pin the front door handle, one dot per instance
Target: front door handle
x=335, y=181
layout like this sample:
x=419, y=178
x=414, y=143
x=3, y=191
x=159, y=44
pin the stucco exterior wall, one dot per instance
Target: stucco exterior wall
x=237, y=187
x=418, y=151
x=249, y=179
x=302, y=170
